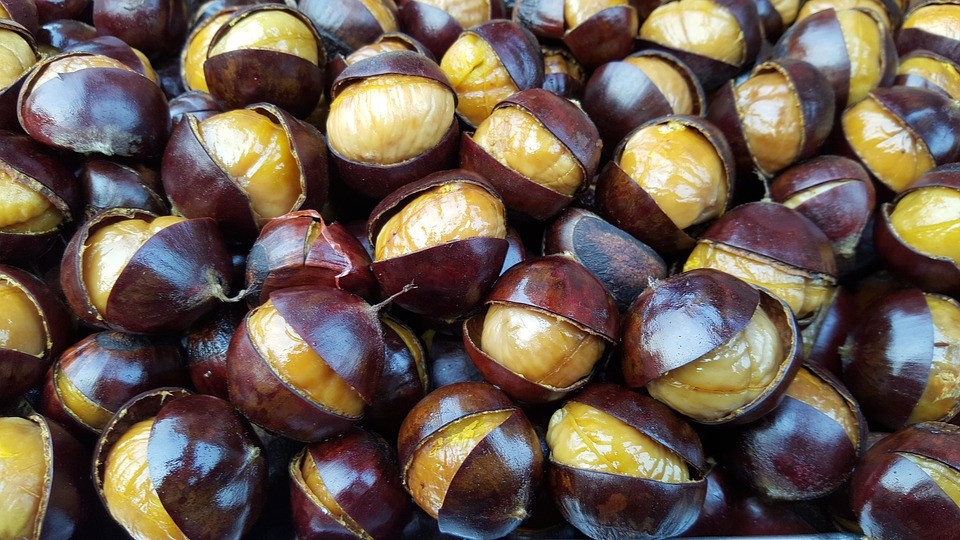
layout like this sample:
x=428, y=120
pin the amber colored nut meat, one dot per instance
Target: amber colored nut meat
x=925, y=220
x=924, y=69
x=24, y=468
x=864, y=38
x=195, y=50
x=19, y=54
x=601, y=31
x=677, y=85
x=113, y=184
x=346, y=25
x=931, y=26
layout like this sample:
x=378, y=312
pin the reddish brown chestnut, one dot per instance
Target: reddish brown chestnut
x=346, y=25
x=563, y=74
x=547, y=323
x=537, y=149
x=711, y=347
x=205, y=348
x=825, y=334
x=22, y=12
x=348, y=486
x=20, y=54
x=54, y=10
x=925, y=69
x=156, y=27
x=176, y=465
x=438, y=23
x=113, y=184
x=646, y=480
x=62, y=33
x=471, y=459
x=404, y=381
x=118, y=50
x=929, y=25
x=199, y=104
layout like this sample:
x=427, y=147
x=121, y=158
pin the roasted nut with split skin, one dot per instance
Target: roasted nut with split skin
x=171, y=464
x=887, y=11
x=390, y=41
x=347, y=25
x=19, y=55
x=114, y=184
x=624, y=466
x=692, y=187
x=471, y=459
x=931, y=25
x=438, y=23
x=59, y=34
x=747, y=350
x=547, y=322
x=405, y=380
x=205, y=350
x=156, y=27
x=925, y=69
x=194, y=52
x=118, y=50
x=563, y=74
x=778, y=15
x=537, y=149
x=201, y=105
x=22, y=12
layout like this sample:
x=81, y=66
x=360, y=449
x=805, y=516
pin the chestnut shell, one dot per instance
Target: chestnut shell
x=911, y=39
x=114, y=184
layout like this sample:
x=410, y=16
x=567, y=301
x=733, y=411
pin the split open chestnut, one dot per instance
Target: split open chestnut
x=20, y=54
x=194, y=52
x=471, y=460
x=114, y=184
x=346, y=25
x=711, y=346
x=925, y=69
x=438, y=23
x=405, y=380
x=931, y=25
x=624, y=466
x=563, y=74
x=391, y=41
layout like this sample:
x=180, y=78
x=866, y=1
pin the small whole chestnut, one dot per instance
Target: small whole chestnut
x=114, y=184
x=156, y=27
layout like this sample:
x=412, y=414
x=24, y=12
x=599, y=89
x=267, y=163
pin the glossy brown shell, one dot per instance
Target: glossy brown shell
x=113, y=184
x=404, y=381
x=917, y=81
x=172, y=280
x=114, y=48
x=606, y=36
x=205, y=350
x=200, y=104
x=344, y=25
x=156, y=27
x=434, y=27
x=338, y=62
x=566, y=81
x=828, y=330
x=61, y=33
x=24, y=13
x=911, y=39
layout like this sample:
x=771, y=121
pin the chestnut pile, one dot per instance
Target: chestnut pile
x=429, y=269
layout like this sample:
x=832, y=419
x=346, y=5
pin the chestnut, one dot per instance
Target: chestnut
x=348, y=486
x=746, y=351
x=54, y=10
x=171, y=464
x=510, y=59
x=924, y=69
x=900, y=360
x=131, y=271
x=449, y=361
x=22, y=12
x=130, y=118
x=928, y=25
x=20, y=54
x=391, y=122
x=346, y=25
x=38, y=197
x=537, y=149
x=34, y=329
x=244, y=167
x=900, y=133
x=622, y=95
x=113, y=184
x=306, y=362
x=193, y=55
x=716, y=38
x=547, y=323
x=781, y=114
x=471, y=460
x=440, y=241
x=438, y=23
x=596, y=32
x=118, y=50
x=906, y=485
x=916, y=235
x=622, y=263
x=404, y=381
x=778, y=15
x=658, y=200
x=199, y=104
x=156, y=27
x=205, y=350
x=826, y=333
x=624, y=466
x=59, y=34
x=563, y=74
x=390, y=41
x=771, y=246
x=888, y=12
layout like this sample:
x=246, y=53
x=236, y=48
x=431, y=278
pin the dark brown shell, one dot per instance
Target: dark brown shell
x=61, y=33
x=449, y=362
x=344, y=25
x=338, y=62
x=818, y=40
x=200, y=104
x=828, y=330
x=606, y=36
x=434, y=27
x=205, y=349
x=8, y=94
x=24, y=13
x=156, y=27
x=517, y=50
x=114, y=48
x=911, y=39
x=404, y=381
x=113, y=184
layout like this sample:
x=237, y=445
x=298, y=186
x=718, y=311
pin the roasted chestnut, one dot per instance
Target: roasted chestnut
x=22, y=12
x=53, y=10
x=563, y=74
x=930, y=25
x=346, y=25
x=306, y=362
x=624, y=466
x=901, y=360
x=199, y=104
x=20, y=54
x=244, y=167
x=537, y=149
x=438, y=23
x=205, y=350
x=404, y=381
x=348, y=486
x=156, y=27
x=391, y=41
x=471, y=460
x=668, y=175
x=130, y=118
x=924, y=69
x=711, y=347
x=176, y=465
x=440, y=242
x=118, y=50
x=131, y=271
x=59, y=34
x=193, y=55
x=826, y=333
x=391, y=122
x=34, y=329
x=887, y=11
x=488, y=63
x=113, y=184
x=771, y=246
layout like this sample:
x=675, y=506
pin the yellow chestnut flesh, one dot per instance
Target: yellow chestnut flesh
x=697, y=26
x=467, y=13
x=941, y=73
x=21, y=325
x=196, y=52
x=23, y=471
x=313, y=481
x=803, y=292
x=256, y=154
x=286, y=352
x=863, y=38
x=270, y=31
x=816, y=6
x=389, y=119
x=72, y=64
x=80, y=405
x=940, y=397
x=772, y=120
x=515, y=138
x=411, y=341
x=23, y=209
x=376, y=49
x=928, y=220
x=555, y=63
x=439, y=457
x=16, y=57
x=382, y=13
x=668, y=79
x=478, y=76
x=680, y=169
x=815, y=392
x=890, y=149
x=442, y=214
x=728, y=378
x=947, y=478
x=129, y=492
x=108, y=250
x=540, y=347
x=938, y=19
x=584, y=437
x=576, y=12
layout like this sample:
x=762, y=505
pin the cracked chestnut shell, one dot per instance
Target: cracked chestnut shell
x=201, y=105
x=347, y=25
x=22, y=12
x=191, y=460
x=470, y=458
x=537, y=149
x=547, y=322
x=648, y=483
x=21, y=54
x=118, y=50
x=563, y=74
x=390, y=41
x=438, y=23
x=131, y=271
x=711, y=347
x=348, y=486
x=156, y=27
x=906, y=484
x=205, y=350
x=405, y=380
x=925, y=69
x=113, y=184
x=927, y=26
